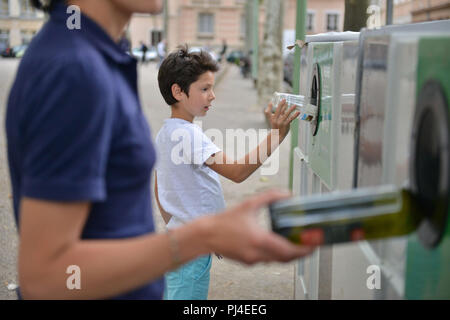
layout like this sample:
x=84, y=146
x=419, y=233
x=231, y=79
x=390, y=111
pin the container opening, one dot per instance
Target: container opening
x=315, y=98
x=430, y=174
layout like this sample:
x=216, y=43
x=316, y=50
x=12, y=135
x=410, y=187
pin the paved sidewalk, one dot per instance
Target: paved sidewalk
x=8, y=232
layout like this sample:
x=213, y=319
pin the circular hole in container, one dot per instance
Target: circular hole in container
x=430, y=174
x=315, y=97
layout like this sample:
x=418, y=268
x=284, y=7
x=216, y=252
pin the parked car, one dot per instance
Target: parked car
x=19, y=51
x=14, y=52
x=7, y=53
x=235, y=56
x=198, y=49
x=150, y=55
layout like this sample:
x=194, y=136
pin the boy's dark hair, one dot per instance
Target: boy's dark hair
x=183, y=68
x=44, y=5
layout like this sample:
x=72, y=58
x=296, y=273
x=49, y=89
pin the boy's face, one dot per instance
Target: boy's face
x=201, y=95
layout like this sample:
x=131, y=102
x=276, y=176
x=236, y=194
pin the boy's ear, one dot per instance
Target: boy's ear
x=177, y=93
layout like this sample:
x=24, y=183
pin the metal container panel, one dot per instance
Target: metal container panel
x=377, y=143
x=313, y=276
x=345, y=116
x=386, y=100
x=428, y=271
x=372, y=111
x=375, y=105
x=349, y=262
x=322, y=144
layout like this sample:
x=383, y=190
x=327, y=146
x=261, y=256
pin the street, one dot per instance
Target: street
x=235, y=108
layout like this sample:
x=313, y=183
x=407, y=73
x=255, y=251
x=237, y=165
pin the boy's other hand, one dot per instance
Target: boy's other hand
x=282, y=118
x=237, y=234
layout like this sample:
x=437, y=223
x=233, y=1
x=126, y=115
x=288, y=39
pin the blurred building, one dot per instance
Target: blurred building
x=202, y=23
x=411, y=11
x=19, y=21
x=323, y=15
x=146, y=28
x=205, y=23
x=430, y=10
x=196, y=22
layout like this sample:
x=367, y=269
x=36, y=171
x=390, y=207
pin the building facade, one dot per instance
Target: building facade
x=205, y=23
x=202, y=23
x=430, y=10
x=322, y=16
x=412, y=11
x=19, y=22
x=195, y=22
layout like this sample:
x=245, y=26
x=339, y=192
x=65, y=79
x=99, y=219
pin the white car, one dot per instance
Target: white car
x=198, y=49
x=150, y=55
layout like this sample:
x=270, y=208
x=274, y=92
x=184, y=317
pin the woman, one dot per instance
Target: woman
x=80, y=159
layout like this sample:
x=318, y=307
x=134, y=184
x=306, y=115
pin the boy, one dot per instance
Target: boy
x=187, y=185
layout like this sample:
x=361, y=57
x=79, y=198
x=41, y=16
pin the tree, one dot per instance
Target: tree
x=355, y=14
x=270, y=73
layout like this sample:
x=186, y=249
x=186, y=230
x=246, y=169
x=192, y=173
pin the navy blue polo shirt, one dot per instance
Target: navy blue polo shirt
x=76, y=132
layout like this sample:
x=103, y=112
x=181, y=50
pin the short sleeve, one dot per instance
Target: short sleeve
x=200, y=147
x=66, y=137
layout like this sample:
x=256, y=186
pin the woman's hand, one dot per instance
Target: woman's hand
x=237, y=234
x=281, y=119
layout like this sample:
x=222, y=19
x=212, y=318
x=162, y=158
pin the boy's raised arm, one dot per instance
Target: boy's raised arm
x=240, y=170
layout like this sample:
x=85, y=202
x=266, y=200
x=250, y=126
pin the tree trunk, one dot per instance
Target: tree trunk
x=270, y=73
x=355, y=14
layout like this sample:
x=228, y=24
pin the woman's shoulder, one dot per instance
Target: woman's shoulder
x=60, y=80
x=63, y=67
x=65, y=59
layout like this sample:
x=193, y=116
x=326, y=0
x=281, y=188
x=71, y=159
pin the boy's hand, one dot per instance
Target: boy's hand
x=281, y=119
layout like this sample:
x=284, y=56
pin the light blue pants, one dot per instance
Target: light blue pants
x=190, y=281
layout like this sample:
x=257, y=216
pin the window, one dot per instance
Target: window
x=206, y=2
x=206, y=23
x=27, y=35
x=4, y=7
x=310, y=21
x=332, y=21
x=26, y=9
x=243, y=26
x=4, y=39
x=156, y=37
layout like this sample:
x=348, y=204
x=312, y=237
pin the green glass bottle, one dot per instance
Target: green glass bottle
x=362, y=214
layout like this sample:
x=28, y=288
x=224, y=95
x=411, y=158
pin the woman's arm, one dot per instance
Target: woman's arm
x=240, y=170
x=50, y=242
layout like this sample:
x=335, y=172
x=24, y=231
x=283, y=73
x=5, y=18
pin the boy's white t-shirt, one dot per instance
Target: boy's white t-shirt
x=187, y=188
